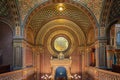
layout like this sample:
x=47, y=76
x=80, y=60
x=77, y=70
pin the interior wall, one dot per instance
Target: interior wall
x=45, y=66
x=29, y=56
x=45, y=62
x=76, y=66
x=6, y=48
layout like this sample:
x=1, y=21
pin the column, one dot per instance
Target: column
x=110, y=56
x=17, y=54
x=109, y=59
x=37, y=62
x=37, y=51
x=100, y=48
x=88, y=56
x=100, y=53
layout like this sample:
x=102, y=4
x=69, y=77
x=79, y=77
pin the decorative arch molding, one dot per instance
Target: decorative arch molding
x=7, y=22
x=109, y=26
x=29, y=35
x=91, y=37
x=56, y=23
x=56, y=33
x=89, y=13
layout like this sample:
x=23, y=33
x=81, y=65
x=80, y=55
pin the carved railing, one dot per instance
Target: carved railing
x=18, y=75
x=99, y=74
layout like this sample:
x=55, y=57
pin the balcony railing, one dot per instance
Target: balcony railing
x=99, y=74
x=23, y=74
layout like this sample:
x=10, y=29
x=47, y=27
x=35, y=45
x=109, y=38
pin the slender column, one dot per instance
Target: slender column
x=88, y=56
x=109, y=59
x=97, y=55
x=24, y=55
x=110, y=56
x=37, y=51
x=37, y=61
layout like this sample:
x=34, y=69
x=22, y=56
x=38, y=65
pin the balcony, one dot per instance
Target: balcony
x=92, y=73
x=99, y=74
x=24, y=74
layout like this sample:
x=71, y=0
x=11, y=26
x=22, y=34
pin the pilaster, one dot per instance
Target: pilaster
x=100, y=49
x=37, y=51
x=100, y=53
x=17, y=54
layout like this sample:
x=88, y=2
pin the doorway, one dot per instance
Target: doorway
x=60, y=74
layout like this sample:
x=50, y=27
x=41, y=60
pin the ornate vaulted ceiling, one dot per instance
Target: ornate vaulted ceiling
x=4, y=11
x=9, y=12
x=94, y=5
x=50, y=13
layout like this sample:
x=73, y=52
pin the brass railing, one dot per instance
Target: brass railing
x=99, y=74
x=18, y=75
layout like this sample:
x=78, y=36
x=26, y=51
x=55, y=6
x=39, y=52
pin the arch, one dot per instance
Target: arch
x=108, y=28
x=61, y=73
x=6, y=39
x=54, y=24
x=72, y=3
x=7, y=22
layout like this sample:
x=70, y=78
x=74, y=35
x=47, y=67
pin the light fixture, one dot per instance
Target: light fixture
x=60, y=7
x=76, y=77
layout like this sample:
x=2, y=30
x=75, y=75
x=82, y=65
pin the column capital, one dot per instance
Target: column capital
x=38, y=49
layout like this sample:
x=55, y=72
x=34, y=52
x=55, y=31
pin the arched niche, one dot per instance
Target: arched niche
x=6, y=48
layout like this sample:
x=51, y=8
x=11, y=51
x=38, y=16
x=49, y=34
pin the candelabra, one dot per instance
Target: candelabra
x=46, y=77
x=76, y=77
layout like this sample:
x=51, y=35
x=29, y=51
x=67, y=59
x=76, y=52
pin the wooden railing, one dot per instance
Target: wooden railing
x=23, y=74
x=99, y=74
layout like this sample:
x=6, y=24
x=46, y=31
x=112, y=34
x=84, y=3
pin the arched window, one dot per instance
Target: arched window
x=118, y=38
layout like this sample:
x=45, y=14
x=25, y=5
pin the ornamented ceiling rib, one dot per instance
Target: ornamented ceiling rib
x=27, y=5
x=72, y=13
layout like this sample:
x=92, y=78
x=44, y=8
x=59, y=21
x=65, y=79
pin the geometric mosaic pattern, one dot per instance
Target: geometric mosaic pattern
x=27, y=5
x=115, y=10
x=50, y=12
x=4, y=12
x=9, y=11
x=94, y=5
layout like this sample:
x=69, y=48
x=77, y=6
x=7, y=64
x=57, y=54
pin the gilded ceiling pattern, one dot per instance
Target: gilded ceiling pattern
x=9, y=11
x=93, y=5
x=115, y=10
x=50, y=12
x=4, y=8
x=26, y=5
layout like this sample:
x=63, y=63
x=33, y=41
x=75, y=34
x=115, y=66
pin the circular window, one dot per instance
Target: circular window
x=61, y=44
